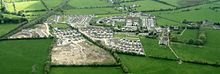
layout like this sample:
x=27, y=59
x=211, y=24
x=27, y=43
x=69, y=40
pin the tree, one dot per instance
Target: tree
x=190, y=41
x=199, y=42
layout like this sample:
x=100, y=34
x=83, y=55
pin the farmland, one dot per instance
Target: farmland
x=25, y=57
x=30, y=5
x=91, y=11
x=86, y=70
x=199, y=53
x=151, y=47
x=89, y=3
x=4, y=28
x=148, y=5
x=145, y=65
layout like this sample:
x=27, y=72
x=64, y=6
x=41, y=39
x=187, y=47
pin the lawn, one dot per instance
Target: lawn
x=148, y=5
x=5, y=28
x=131, y=36
x=23, y=56
x=60, y=25
x=86, y=70
x=145, y=65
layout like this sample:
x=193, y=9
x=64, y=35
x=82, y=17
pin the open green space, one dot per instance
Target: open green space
x=147, y=5
x=52, y=3
x=189, y=34
x=165, y=22
x=152, y=48
x=89, y=3
x=60, y=25
x=121, y=35
x=145, y=65
x=5, y=28
x=182, y=3
x=208, y=53
x=86, y=70
x=185, y=35
x=193, y=15
x=23, y=56
x=197, y=13
x=172, y=2
x=91, y=11
x=27, y=5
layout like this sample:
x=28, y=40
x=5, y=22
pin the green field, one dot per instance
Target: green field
x=91, y=11
x=182, y=3
x=194, y=15
x=5, y=28
x=197, y=13
x=152, y=47
x=60, y=25
x=23, y=56
x=145, y=65
x=165, y=22
x=172, y=2
x=209, y=52
x=121, y=35
x=29, y=5
x=189, y=34
x=148, y=5
x=52, y=3
x=86, y=70
x=89, y=3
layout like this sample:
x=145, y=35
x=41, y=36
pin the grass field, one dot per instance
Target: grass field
x=209, y=52
x=185, y=51
x=29, y=5
x=23, y=56
x=152, y=47
x=52, y=3
x=172, y=2
x=91, y=11
x=86, y=70
x=197, y=13
x=131, y=36
x=60, y=25
x=189, y=34
x=89, y=3
x=182, y=3
x=5, y=28
x=165, y=22
x=148, y=5
x=145, y=65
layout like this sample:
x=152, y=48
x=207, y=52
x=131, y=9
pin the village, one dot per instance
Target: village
x=72, y=48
